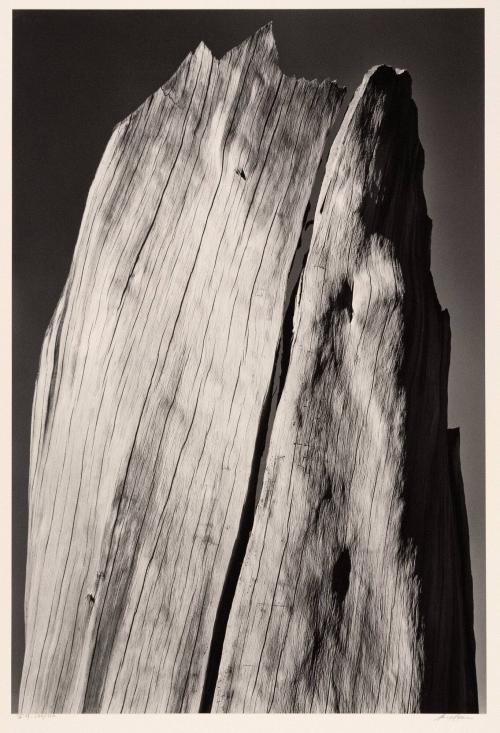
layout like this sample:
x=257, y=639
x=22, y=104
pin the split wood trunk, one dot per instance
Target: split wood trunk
x=151, y=586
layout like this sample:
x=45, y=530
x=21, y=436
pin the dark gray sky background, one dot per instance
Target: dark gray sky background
x=77, y=73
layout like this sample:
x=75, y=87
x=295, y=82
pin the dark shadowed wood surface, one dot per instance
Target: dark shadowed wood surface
x=350, y=597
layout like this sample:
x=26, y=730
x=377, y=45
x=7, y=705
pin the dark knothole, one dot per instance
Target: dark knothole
x=344, y=298
x=340, y=576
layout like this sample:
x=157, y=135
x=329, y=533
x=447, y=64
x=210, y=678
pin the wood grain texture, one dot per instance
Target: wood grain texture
x=351, y=594
x=153, y=378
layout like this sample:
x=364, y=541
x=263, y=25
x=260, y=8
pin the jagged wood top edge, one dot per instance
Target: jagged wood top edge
x=264, y=33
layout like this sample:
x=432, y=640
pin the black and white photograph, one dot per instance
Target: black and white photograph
x=248, y=361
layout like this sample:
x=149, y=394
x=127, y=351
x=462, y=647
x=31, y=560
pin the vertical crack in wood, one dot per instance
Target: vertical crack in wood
x=275, y=390
x=237, y=555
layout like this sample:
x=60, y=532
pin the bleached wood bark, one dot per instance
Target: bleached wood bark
x=354, y=595
x=153, y=380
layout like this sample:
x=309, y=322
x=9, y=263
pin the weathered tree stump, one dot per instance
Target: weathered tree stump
x=153, y=403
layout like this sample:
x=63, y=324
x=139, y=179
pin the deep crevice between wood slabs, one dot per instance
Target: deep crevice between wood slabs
x=275, y=390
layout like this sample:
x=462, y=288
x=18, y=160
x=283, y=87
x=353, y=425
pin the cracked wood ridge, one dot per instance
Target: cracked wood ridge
x=148, y=589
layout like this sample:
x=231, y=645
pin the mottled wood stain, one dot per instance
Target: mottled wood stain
x=344, y=603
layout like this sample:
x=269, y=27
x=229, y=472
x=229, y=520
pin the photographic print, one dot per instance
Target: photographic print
x=248, y=361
